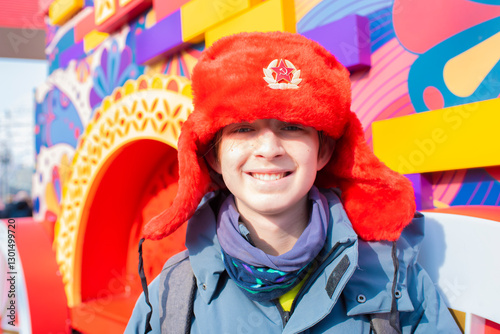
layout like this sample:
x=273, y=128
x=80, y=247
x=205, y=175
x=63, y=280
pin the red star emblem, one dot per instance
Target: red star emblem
x=282, y=72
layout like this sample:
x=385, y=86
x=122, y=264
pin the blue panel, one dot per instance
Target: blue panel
x=64, y=43
x=332, y=10
x=427, y=70
x=474, y=190
x=381, y=28
x=58, y=121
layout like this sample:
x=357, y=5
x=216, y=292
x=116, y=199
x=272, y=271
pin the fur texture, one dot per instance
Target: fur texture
x=228, y=87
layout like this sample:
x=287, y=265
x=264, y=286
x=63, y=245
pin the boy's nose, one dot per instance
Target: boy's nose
x=268, y=145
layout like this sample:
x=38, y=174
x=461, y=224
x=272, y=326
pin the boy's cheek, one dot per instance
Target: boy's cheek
x=236, y=146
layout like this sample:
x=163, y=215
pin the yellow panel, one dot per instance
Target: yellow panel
x=272, y=15
x=104, y=9
x=93, y=39
x=199, y=15
x=465, y=136
x=61, y=11
x=459, y=318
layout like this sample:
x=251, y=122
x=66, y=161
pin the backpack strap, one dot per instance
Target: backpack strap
x=380, y=323
x=176, y=291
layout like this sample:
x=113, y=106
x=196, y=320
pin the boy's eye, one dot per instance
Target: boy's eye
x=242, y=130
x=292, y=128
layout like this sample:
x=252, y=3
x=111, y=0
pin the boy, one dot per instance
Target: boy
x=270, y=251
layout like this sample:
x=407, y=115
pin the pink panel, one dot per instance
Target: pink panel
x=433, y=98
x=446, y=185
x=124, y=15
x=43, y=281
x=22, y=14
x=43, y=6
x=164, y=8
x=374, y=91
x=491, y=327
x=84, y=26
x=419, y=25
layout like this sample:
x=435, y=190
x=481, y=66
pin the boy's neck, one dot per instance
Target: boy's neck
x=276, y=234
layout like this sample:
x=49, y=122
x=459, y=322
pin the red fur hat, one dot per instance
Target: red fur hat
x=288, y=77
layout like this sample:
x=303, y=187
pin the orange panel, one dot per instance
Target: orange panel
x=109, y=314
x=478, y=211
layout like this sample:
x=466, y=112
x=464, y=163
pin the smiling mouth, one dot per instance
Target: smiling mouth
x=269, y=176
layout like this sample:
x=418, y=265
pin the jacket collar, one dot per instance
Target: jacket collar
x=204, y=248
x=370, y=288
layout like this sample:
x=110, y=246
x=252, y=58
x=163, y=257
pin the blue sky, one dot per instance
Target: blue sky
x=18, y=80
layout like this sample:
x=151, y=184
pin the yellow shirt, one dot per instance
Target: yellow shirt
x=287, y=299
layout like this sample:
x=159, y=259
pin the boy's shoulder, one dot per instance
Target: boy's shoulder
x=176, y=259
x=370, y=287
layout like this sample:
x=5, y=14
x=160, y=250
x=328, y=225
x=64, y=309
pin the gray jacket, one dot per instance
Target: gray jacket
x=353, y=280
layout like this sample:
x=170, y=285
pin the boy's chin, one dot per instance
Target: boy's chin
x=270, y=206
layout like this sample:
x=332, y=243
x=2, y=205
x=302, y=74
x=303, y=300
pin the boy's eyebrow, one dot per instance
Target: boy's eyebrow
x=237, y=124
x=294, y=123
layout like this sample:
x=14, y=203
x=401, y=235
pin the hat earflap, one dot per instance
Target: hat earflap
x=194, y=182
x=378, y=201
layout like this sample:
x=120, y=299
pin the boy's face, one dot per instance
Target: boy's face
x=269, y=165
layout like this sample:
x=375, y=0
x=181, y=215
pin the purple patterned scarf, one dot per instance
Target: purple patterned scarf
x=262, y=276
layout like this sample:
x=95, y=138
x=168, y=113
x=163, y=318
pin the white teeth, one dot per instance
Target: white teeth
x=268, y=177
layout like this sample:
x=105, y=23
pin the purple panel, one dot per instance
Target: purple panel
x=162, y=39
x=75, y=51
x=423, y=190
x=348, y=39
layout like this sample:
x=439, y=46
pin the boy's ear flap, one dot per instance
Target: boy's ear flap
x=378, y=201
x=194, y=182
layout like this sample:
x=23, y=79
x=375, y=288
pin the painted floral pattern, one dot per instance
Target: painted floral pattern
x=116, y=67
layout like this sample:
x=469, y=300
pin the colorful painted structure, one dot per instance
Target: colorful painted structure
x=109, y=114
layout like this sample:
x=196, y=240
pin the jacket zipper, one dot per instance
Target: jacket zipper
x=285, y=315
x=312, y=277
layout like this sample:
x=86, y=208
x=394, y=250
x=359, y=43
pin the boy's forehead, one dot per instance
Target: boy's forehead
x=265, y=121
x=271, y=123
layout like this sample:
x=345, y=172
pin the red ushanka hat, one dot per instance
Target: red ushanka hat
x=288, y=77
